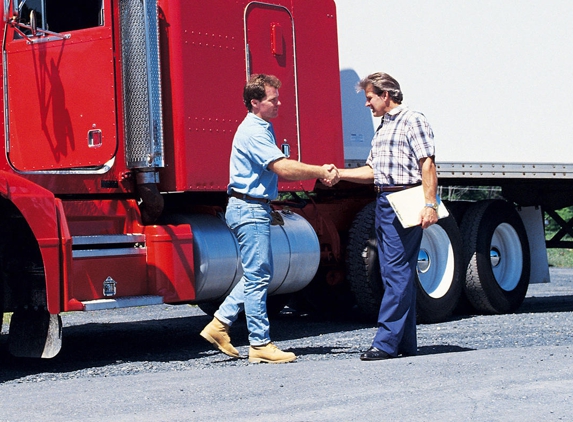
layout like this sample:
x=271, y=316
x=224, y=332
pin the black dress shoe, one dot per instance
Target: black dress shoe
x=375, y=354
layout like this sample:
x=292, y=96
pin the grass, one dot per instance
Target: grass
x=562, y=258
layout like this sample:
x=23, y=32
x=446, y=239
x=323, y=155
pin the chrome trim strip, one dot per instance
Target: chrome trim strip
x=121, y=302
x=476, y=170
x=107, y=239
x=101, y=253
x=90, y=170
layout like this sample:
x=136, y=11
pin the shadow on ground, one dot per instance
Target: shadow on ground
x=95, y=345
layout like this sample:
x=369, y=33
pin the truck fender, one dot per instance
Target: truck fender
x=38, y=207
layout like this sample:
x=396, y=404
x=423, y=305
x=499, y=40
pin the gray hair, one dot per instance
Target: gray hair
x=382, y=82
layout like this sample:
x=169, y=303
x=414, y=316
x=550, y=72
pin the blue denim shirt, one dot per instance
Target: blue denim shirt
x=254, y=148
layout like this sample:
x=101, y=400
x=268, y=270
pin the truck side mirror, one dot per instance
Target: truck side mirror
x=33, y=23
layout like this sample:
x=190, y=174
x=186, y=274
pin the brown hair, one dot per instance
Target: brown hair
x=255, y=88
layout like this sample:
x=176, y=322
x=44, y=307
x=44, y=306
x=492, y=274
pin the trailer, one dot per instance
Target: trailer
x=495, y=81
x=119, y=116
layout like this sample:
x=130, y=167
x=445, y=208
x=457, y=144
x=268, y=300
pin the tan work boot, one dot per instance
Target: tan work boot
x=217, y=334
x=269, y=353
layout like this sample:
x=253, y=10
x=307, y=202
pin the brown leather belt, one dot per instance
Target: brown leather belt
x=393, y=188
x=245, y=197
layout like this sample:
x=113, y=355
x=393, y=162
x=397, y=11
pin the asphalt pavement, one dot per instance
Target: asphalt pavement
x=474, y=368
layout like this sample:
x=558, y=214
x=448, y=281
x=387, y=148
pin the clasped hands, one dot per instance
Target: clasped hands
x=332, y=176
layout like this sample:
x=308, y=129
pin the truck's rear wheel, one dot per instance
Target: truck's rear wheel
x=439, y=268
x=497, y=257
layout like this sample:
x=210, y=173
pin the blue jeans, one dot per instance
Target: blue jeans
x=398, y=255
x=250, y=221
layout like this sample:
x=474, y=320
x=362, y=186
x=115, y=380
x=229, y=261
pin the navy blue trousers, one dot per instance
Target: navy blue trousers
x=398, y=254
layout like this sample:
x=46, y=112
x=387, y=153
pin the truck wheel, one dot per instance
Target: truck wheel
x=363, y=268
x=496, y=253
x=457, y=209
x=440, y=267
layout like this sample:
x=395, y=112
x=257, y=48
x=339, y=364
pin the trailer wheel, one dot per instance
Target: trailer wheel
x=440, y=268
x=458, y=209
x=497, y=257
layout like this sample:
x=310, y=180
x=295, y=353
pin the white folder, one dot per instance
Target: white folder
x=408, y=204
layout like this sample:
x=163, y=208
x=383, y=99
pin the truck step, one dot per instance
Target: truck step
x=108, y=245
x=122, y=302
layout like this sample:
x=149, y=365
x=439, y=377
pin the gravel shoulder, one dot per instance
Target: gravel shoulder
x=150, y=364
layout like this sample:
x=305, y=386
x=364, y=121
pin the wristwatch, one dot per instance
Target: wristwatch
x=434, y=206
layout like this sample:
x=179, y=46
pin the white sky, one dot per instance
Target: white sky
x=495, y=78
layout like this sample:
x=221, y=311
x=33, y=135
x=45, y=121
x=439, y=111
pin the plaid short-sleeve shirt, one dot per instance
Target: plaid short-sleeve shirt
x=403, y=138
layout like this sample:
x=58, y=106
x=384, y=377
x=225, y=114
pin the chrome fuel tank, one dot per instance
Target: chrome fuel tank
x=295, y=247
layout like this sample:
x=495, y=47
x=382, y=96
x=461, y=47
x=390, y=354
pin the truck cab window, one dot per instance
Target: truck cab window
x=63, y=15
x=71, y=15
x=38, y=7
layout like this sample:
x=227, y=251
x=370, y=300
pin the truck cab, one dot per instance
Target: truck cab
x=118, y=121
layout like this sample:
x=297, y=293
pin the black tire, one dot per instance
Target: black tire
x=497, y=258
x=436, y=300
x=440, y=271
x=458, y=210
x=363, y=268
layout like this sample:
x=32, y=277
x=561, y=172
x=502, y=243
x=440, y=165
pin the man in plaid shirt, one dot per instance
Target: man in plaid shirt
x=402, y=156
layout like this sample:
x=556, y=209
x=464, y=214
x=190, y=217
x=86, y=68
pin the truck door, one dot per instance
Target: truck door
x=271, y=50
x=60, y=86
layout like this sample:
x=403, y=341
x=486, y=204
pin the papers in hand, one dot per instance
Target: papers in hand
x=408, y=204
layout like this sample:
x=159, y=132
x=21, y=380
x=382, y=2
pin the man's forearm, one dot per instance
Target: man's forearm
x=295, y=170
x=363, y=174
x=429, y=179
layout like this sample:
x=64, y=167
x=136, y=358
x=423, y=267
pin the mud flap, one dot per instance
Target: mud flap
x=35, y=334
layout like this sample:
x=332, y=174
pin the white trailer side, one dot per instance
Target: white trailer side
x=495, y=79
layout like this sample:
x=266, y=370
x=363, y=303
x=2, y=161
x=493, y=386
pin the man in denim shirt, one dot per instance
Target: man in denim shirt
x=255, y=165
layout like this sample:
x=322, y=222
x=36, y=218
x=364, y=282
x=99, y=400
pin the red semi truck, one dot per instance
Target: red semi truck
x=118, y=120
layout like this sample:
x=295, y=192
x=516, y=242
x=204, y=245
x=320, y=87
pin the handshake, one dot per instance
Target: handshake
x=331, y=175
